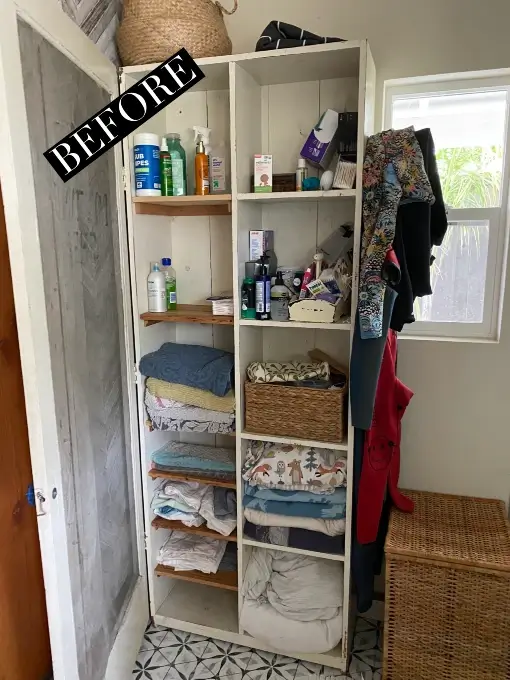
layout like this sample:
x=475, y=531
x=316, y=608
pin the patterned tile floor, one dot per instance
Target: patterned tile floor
x=168, y=654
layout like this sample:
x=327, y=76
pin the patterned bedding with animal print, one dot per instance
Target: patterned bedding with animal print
x=284, y=466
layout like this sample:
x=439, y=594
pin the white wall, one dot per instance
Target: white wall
x=454, y=434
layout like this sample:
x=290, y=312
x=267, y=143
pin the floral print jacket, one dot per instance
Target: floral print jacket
x=393, y=172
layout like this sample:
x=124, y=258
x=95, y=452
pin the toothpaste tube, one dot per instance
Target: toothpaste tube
x=306, y=280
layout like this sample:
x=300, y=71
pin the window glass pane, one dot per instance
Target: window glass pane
x=469, y=134
x=458, y=275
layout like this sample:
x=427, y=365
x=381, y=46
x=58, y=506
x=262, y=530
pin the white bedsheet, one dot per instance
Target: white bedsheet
x=293, y=602
x=185, y=552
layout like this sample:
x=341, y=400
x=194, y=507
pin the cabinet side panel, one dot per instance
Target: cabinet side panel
x=77, y=227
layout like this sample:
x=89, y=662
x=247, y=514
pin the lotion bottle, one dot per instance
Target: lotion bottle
x=156, y=289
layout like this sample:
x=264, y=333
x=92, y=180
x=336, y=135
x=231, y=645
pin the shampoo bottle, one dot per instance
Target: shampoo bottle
x=280, y=300
x=263, y=290
x=156, y=289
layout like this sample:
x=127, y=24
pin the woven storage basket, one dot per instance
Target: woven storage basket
x=153, y=30
x=448, y=590
x=301, y=412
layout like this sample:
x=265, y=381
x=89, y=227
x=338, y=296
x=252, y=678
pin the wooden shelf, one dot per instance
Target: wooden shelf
x=187, y=314
x=296, y=551
x=184, y=477
x=175, y=525
x=338, y=326
x=334, y=446
x=183, y=206
x=222, y=579
x=303, y=196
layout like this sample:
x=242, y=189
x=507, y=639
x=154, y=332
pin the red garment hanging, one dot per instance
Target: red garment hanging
x=381, y=455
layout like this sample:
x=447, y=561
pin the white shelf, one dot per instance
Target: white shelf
x=343, y=446
x=303, y=196
x=200, y=605
x=296, y=324
x=298, y=551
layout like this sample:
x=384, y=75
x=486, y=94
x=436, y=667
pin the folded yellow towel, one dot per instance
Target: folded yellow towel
x=191, y=395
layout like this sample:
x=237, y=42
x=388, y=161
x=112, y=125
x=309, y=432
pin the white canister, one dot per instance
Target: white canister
x=146, y=164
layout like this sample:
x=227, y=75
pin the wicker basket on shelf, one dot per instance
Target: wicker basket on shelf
x=153, y=30
x=301, y=412
x=448, y=590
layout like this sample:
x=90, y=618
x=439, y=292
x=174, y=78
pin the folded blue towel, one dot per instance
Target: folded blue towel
x=291, y=509
x=181, y=456
x=338, y=496
x=205, y=368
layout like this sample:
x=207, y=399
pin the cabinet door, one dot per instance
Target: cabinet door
x=68, y=251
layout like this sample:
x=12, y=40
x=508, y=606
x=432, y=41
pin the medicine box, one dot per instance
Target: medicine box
x=260, y=241
x=263, y=173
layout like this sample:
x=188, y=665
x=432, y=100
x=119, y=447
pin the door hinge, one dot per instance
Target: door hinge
x=145, y=539
x=136, y=374
x=124, y=179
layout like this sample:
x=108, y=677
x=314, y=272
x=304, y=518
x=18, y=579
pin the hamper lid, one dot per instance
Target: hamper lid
x=461, y=529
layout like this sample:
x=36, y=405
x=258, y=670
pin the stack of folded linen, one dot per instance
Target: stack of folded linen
x=193, y=504
x=188, y=552
x=208, y=461
x=189, y=389
x=293, y=602
x=295, y=487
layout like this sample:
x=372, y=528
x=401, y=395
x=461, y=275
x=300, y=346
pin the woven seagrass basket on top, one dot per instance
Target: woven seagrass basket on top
x=153, y=30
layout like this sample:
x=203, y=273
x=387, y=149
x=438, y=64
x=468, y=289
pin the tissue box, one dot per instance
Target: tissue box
x=322, y=140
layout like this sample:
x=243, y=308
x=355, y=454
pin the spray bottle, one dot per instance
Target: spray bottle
x=201, y=161
x=263, y=289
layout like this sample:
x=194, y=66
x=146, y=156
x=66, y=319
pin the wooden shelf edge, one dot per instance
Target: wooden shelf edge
x=183, y=206
x=175, y=525
x=184, y=477
x=201, y=314
x=222, y=579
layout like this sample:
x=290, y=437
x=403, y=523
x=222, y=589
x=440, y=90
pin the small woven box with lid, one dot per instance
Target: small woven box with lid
x=448, y=590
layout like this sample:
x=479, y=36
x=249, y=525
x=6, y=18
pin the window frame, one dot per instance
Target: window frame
x=464, y=83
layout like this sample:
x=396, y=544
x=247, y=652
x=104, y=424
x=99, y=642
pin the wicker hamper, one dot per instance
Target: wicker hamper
x=301, y=412
x=153, y=30
x=448, y=590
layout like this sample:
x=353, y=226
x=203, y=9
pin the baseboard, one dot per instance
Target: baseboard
x=129, y=638
x=376, y=611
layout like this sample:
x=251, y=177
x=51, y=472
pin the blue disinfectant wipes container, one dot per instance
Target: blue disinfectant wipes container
x=146, y=163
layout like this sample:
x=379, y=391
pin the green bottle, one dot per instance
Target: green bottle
x=177, y=164
x=171, y=283
x=165, y=169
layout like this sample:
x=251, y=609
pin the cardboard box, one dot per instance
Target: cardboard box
x=321, y=144
x=263, y=173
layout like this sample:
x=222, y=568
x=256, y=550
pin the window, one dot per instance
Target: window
x=469, y=123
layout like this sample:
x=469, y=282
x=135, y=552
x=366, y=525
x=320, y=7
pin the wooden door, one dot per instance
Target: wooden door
x=24, y=640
